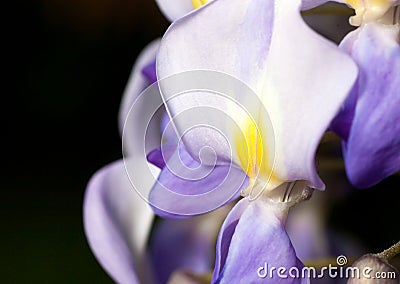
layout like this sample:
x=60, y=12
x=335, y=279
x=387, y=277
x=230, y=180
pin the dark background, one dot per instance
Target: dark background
x=67, y=63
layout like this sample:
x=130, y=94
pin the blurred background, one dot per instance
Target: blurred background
x=67, y=64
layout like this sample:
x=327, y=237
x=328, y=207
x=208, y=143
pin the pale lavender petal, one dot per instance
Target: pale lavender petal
x=117, y=222
x=138, y=80
x=372, y=148
x=168, y=133
x=259, y=239
x=225, y=235
x=176, y=9
x=165, y=121
x=185, y=187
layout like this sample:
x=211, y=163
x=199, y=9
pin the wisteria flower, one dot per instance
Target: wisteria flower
x=369, y=122
x=299, y=80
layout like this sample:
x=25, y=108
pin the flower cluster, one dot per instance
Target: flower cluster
x=227, y=111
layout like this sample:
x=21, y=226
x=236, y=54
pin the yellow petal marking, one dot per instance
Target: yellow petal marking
x=251, y=147
x=199, y=3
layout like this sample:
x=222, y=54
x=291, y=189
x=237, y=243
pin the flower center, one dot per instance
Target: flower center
x=255, y=158
x=368, y=10
x=199, y=3
x=250, y=149
x=288, y=193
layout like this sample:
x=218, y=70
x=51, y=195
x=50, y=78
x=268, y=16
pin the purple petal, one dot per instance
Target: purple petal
x=149, y=71
x=117, y=222
x=160, y=156
x=226, y=233
x=341, y=124
x=259, y=239
x=372, y=149
x=185, y=187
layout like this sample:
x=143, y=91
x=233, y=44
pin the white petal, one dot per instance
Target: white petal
x=137, y=81
x=301, y=78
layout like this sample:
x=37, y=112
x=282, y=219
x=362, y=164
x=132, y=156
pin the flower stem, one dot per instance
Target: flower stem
x=391, y=252
x=305, y=195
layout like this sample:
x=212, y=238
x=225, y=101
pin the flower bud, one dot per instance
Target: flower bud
x=373, y=269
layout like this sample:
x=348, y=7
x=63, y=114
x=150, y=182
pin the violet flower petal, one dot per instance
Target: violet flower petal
x=149, y=71
x=225, y=235
x=372, y=147
x=117, y=223
x=185, y=187
x=259, y=233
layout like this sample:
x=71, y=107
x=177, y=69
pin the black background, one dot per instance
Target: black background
x=66, y=65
